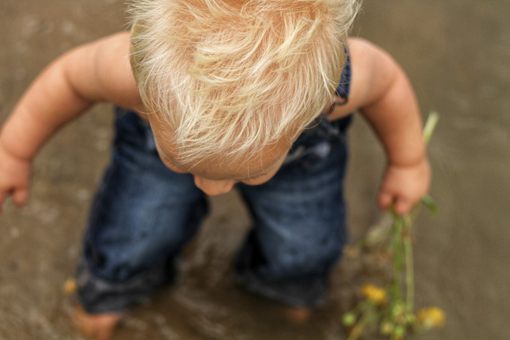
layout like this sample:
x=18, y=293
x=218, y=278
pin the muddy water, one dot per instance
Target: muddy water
x=457, y=54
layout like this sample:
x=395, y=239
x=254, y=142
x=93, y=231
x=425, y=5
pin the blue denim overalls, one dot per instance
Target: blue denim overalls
x=143, y=214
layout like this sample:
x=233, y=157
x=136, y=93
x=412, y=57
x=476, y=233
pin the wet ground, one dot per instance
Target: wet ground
x=456, y=52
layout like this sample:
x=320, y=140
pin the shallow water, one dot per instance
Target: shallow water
x=456, y=54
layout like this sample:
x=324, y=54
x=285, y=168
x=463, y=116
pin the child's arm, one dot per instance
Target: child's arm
x=382, y=93
x=99, y=71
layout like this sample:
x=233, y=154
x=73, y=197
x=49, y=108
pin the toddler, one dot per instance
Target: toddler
x=212, y=95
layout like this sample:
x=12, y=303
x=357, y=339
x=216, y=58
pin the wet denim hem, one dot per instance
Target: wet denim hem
x=97, y=295
x=305, y=292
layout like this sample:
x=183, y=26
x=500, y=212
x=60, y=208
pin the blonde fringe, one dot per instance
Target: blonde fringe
x=231, y=77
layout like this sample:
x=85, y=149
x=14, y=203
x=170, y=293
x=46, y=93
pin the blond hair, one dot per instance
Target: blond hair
x=231, y=77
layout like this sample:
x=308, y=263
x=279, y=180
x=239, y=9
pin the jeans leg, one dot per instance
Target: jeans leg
x=299, y=229
x=141, y=217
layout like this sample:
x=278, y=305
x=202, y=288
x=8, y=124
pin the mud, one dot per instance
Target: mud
x=456, y=52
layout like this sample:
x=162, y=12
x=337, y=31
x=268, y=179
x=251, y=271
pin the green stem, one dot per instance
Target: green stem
x=357, y=330
x=430, y=126
x=408, y=249
x=397, y=258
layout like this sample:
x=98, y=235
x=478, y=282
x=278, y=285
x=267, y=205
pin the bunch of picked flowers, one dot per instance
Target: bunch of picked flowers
x=390, y=311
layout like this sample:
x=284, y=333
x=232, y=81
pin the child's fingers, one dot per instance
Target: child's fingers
x=385, y=200
x=403, y=206
x=20, y=197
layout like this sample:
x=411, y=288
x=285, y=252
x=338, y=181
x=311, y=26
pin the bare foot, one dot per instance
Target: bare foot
x=95, y=326
x=298, y=314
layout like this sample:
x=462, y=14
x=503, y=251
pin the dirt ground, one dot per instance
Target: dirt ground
x=456, y=52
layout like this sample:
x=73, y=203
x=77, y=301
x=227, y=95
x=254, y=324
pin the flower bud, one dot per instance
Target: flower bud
x=348, y=319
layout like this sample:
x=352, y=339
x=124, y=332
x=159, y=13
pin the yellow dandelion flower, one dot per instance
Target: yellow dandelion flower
x=375, y=294
x=431, y=317
x=70, y=286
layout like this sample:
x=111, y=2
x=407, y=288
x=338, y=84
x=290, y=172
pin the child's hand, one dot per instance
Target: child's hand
x=404, y=186
x=14, y=178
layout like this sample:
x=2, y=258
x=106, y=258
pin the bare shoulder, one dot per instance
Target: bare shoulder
x=114, y=71
x=372, y=71
x=101, y=71
x=369, y=60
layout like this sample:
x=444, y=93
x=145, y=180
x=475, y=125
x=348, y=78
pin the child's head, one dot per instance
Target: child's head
x=234, y=82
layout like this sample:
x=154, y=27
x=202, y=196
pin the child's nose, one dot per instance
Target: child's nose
x=212, y=187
